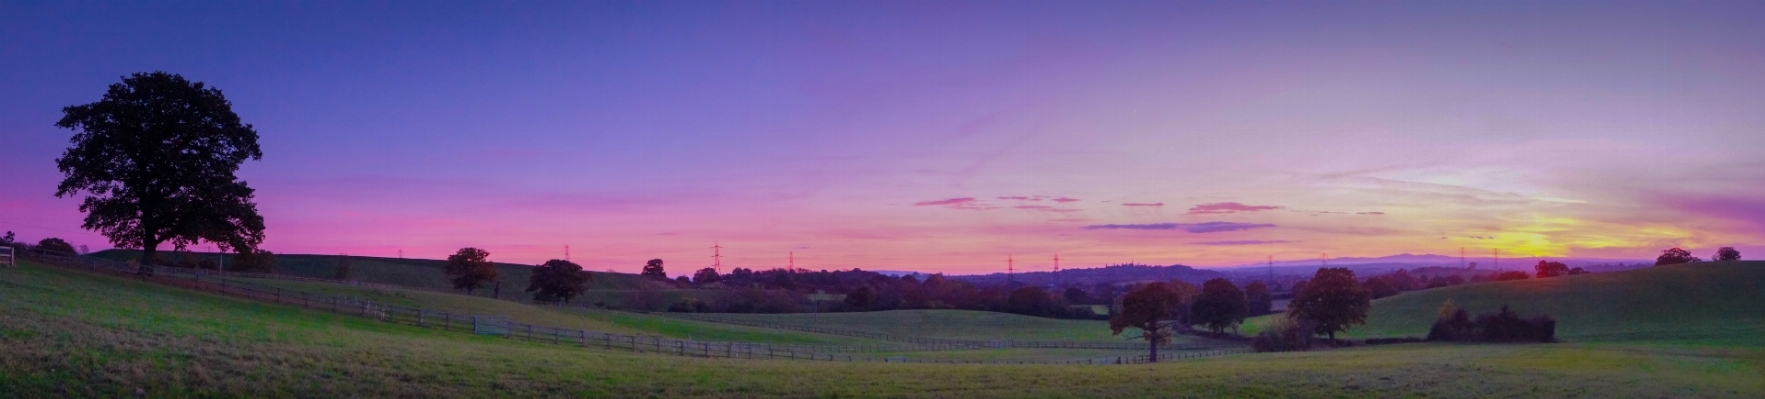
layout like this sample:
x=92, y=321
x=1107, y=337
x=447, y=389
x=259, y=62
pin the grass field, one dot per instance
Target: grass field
x=602, y=321
x=1712, y=303
x=951, y=324
x=69, y=334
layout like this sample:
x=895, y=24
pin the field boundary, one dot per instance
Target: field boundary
x=997, y=343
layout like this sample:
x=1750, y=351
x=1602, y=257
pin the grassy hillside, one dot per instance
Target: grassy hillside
x=74, y=335
x=425, y=273
x=603, y=321
x=1713, y=303
x=949, y=324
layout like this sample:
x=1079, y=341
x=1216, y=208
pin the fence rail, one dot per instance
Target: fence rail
x=564, y=336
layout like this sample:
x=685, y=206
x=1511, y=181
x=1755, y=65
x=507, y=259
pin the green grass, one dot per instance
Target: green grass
x=1714, y=304
x=603, y=321
x=67, y=334
x=950, y=324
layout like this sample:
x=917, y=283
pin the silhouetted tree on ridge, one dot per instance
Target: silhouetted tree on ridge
x=470, y=269
x=156, y=157
x=1727, y=254
x=1148, y=308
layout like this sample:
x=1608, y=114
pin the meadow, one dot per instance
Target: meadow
x=1708, y=304
x=74, y=334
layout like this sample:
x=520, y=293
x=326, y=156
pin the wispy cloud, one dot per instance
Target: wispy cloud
x=1228, y=207
x=1242, y=242
x=1034, y=207
x=964, y=203
x=1065, y=200
x=1142, y=204
x=946, y=202
x=1369, y=213
x=1208, y=227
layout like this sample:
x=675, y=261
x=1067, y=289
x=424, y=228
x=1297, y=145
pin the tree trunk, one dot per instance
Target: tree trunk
x=149, y=252
x=1153, y=343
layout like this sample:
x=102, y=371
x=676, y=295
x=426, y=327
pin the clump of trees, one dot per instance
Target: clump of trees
x=1332, y=301
x=56, y=246
x=1727, y=254
x=1512, y=275
x=558, y=280
x=255, y=261
x=1455, y=324
x=1675, y=256
x=653, y=268
x=1148, y=308
x=470, y=269
x=1284, y=335
x=1221, y=305
x=705, y=276
x=156, y=158
x=1548, y=269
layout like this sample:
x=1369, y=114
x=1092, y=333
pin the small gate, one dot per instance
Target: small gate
x=490, y=325
x=7, y=258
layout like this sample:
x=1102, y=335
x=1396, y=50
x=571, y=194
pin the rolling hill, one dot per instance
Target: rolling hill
x=1712, y=303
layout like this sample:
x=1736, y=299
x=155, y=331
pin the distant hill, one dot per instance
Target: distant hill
x=1714, y=303
x=1384, y=264
x=1117, y=274
x=421, y=273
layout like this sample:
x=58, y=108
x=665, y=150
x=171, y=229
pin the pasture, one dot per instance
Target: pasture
x=1707, y=304
x=74, y=334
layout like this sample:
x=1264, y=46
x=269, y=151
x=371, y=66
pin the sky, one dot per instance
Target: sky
x=938, y=136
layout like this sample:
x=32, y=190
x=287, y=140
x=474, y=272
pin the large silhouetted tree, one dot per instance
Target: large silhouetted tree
x=558, y=280
x=1148, y=308
x=1333, y=300
x=156, y=157
x=470, y=269
x=653, y=268
x=1674, y=256
x=1727, y=254
x=1220, y=305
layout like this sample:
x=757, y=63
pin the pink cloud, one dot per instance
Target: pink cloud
x=1139, y=204
x=1241, y=242
x=946, y=202
x=1228, y=207
x=1370, y=213
x=1065, y=200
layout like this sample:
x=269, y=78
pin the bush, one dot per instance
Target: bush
x=1285, y=335
x=1502, y=326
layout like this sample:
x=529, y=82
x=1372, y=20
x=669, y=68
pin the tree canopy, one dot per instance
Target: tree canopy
x=1547, y=269
x=1260, y=299
x=558, y=280
x=1727, y=254
x=1675, y=256
x=1333, y=300
x=705, y=276
x=56, y=246
x=653, y=268
x=1148, y=308
x=156, y=157
x=1221, y=305
x=470, y=269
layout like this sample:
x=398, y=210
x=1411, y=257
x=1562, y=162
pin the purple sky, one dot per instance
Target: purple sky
x=939, y=135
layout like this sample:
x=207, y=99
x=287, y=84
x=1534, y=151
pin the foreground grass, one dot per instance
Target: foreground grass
x=68, y=334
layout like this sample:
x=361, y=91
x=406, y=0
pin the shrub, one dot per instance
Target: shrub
x=1675, y=256
x=1727, y=254
x=1285, y=334
x=1502, y=326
